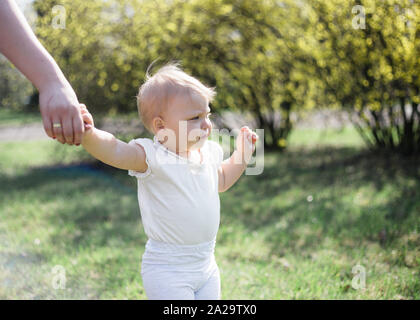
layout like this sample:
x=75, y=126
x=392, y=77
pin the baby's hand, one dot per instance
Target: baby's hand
x=87, y=117
x=245, y=143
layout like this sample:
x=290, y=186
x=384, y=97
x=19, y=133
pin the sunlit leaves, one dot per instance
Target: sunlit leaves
x=373, y=68
x=262, y=56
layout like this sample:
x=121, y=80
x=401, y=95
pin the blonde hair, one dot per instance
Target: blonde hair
x=155, y=94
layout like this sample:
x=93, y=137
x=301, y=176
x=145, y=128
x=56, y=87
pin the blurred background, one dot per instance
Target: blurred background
x=334, y=84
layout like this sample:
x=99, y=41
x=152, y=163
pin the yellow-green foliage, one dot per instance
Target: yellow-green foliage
x=371, y=66
x=262, y=56
x=247, y=49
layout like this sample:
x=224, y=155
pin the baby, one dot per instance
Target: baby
x=180, y=174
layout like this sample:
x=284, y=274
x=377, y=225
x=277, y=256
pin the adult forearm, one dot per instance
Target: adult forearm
x=20, y=45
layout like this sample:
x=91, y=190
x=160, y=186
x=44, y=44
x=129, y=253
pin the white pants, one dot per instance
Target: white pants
x=180, y=272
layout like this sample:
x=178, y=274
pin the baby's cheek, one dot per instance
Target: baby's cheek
x=193, y=131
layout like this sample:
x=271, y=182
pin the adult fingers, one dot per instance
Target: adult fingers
x=78, y=128
x=57, y=131
x=68, y=130
x=48, y=126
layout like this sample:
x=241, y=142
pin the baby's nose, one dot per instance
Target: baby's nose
x=207, y=126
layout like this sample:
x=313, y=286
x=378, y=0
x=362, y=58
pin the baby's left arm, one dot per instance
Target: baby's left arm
x=232, y=168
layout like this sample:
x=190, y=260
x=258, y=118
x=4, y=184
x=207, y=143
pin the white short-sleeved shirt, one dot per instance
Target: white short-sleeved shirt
x=179, y=198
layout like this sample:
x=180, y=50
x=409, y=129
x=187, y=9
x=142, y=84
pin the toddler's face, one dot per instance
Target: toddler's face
x=187, y=124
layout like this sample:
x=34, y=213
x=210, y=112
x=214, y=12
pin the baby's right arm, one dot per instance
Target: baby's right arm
x=108, y=149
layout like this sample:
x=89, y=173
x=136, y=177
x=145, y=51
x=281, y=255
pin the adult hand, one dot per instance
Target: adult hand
x=58, y=102
x=61, y=115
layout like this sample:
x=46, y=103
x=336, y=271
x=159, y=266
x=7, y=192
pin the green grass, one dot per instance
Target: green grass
x=345, y=137
x=12, y=117
x=293, y=232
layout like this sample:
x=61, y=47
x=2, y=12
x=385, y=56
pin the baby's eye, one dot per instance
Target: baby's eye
x=208, y=115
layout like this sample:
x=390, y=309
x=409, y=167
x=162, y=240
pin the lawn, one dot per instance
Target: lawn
x=10, y=117
x=319, y=211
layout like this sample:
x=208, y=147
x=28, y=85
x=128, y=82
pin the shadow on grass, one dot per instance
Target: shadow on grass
x=306, y=195
x=302, y=197
x=84, y=205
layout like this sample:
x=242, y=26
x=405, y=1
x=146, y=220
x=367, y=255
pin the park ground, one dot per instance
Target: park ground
x=325, y=220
